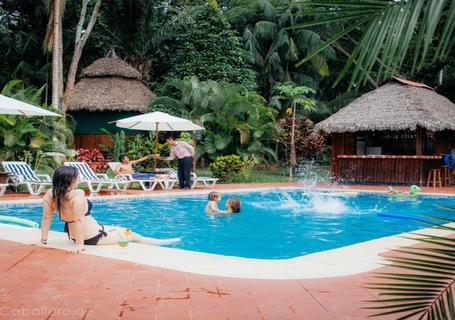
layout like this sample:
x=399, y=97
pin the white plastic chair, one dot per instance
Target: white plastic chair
x=96, y=181
x=128, y=177
x=22, y=174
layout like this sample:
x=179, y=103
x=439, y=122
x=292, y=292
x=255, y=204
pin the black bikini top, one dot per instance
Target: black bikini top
x=89, y=209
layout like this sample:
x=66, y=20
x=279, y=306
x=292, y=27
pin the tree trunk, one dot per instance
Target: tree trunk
x=81, y=38
x=60, y=59
x=293, y=157
x=71, y=79
x=56, y=55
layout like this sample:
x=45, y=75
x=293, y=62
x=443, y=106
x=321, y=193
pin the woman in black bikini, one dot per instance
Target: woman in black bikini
x=74, y=208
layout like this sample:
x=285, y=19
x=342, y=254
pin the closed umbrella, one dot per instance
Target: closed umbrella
x=15, y=107
x=157, y=121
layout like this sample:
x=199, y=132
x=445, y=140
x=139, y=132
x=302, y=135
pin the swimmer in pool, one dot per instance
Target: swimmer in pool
x=74, y=209
x=233, y=205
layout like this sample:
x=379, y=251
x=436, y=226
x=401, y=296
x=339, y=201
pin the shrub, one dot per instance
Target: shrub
x=94, y=158
x=227, y=167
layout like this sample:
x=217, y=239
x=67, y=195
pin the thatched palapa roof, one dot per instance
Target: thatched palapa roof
x=397, y=105
x=110, y=84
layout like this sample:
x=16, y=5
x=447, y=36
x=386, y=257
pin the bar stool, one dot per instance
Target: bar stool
x=434, y=178
x=446, y=176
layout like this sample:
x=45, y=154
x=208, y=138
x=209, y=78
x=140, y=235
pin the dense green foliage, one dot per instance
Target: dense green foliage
x=235, y=118
x=30, y=138
x=210, y=50
x=227, y=167
x=225, y=64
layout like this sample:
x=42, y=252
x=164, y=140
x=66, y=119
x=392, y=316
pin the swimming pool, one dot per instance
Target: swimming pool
x=274, y=224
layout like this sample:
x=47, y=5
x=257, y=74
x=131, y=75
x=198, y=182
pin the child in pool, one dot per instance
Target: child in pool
x=212, y=205
x=233, y=205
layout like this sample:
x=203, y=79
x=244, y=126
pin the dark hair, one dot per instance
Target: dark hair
x=235, y=205
x=121, y=157
x=170, y=138
x=61, y=181
x=213, y=195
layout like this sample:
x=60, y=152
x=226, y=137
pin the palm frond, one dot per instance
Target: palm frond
x=395, y=31
x=268, y=9
x=265, y=30
x=425, y=287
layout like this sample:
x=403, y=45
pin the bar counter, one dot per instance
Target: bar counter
x=388, y=169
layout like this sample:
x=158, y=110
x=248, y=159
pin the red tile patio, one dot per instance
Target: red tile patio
x=41, y=283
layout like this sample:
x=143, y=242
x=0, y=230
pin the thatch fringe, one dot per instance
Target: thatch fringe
x=394, y=106
x=110, y=84
x=110, y=67
x=110, y=94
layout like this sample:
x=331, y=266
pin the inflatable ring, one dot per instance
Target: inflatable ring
x=19, y=221
x=401, y=195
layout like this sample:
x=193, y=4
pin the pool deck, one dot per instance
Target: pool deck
x=46, y=283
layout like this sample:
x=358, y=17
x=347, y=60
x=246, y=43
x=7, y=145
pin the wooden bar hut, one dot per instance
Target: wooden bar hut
x=109, y=89
x=394, y=134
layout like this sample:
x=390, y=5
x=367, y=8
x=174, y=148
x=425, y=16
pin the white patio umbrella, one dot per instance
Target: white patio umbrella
x=15, y=107
x=157, y=121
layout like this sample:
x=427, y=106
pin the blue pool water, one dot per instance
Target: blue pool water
x=272, y=225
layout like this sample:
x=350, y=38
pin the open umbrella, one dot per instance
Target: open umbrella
x=15, y=107
x=157, y=121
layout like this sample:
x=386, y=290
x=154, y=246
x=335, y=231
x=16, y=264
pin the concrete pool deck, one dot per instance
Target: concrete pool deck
x=45, y=283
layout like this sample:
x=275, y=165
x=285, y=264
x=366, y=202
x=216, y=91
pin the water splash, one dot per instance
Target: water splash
x=328, y=204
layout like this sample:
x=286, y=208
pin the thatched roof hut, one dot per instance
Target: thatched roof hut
x=397, y=105
x=110, y=84
x=114, y=90
x=394, y=134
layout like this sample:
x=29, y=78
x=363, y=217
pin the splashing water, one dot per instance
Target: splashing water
x=324, y=204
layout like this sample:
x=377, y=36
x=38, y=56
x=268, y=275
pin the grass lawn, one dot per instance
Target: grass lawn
x=279, y=175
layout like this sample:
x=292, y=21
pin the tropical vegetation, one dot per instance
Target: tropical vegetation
x=232, y=66
x=421, y=281
x=32, y=139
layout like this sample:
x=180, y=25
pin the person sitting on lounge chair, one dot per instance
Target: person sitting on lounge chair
x=126, y=167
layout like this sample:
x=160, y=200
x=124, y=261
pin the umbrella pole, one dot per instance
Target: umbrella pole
x=156, y=145
x=194, y=157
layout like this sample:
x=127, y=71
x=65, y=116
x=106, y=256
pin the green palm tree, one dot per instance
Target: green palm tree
x=276, y=49
x=424, y=288
x=236, y=119
x=392, y=32
x=295, y=96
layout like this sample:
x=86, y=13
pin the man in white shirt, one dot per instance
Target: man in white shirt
x=184, y=152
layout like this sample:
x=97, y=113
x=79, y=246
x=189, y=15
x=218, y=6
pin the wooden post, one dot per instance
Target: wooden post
x=419, y=151
x=419, y=141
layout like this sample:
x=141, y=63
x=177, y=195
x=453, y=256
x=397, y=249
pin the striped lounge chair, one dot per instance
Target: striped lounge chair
x=208, y=182
x=152, y=182
x=22, y=174
x=96, y=181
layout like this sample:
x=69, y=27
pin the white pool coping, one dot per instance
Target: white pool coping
x=348, y=260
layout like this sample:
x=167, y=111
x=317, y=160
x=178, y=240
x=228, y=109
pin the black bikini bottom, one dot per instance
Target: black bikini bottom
x=94, y=240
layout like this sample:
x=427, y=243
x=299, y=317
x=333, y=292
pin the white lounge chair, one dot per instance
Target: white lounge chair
x=208, y=182
x=22, y=174
x=96, y=181
x=152, y=182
